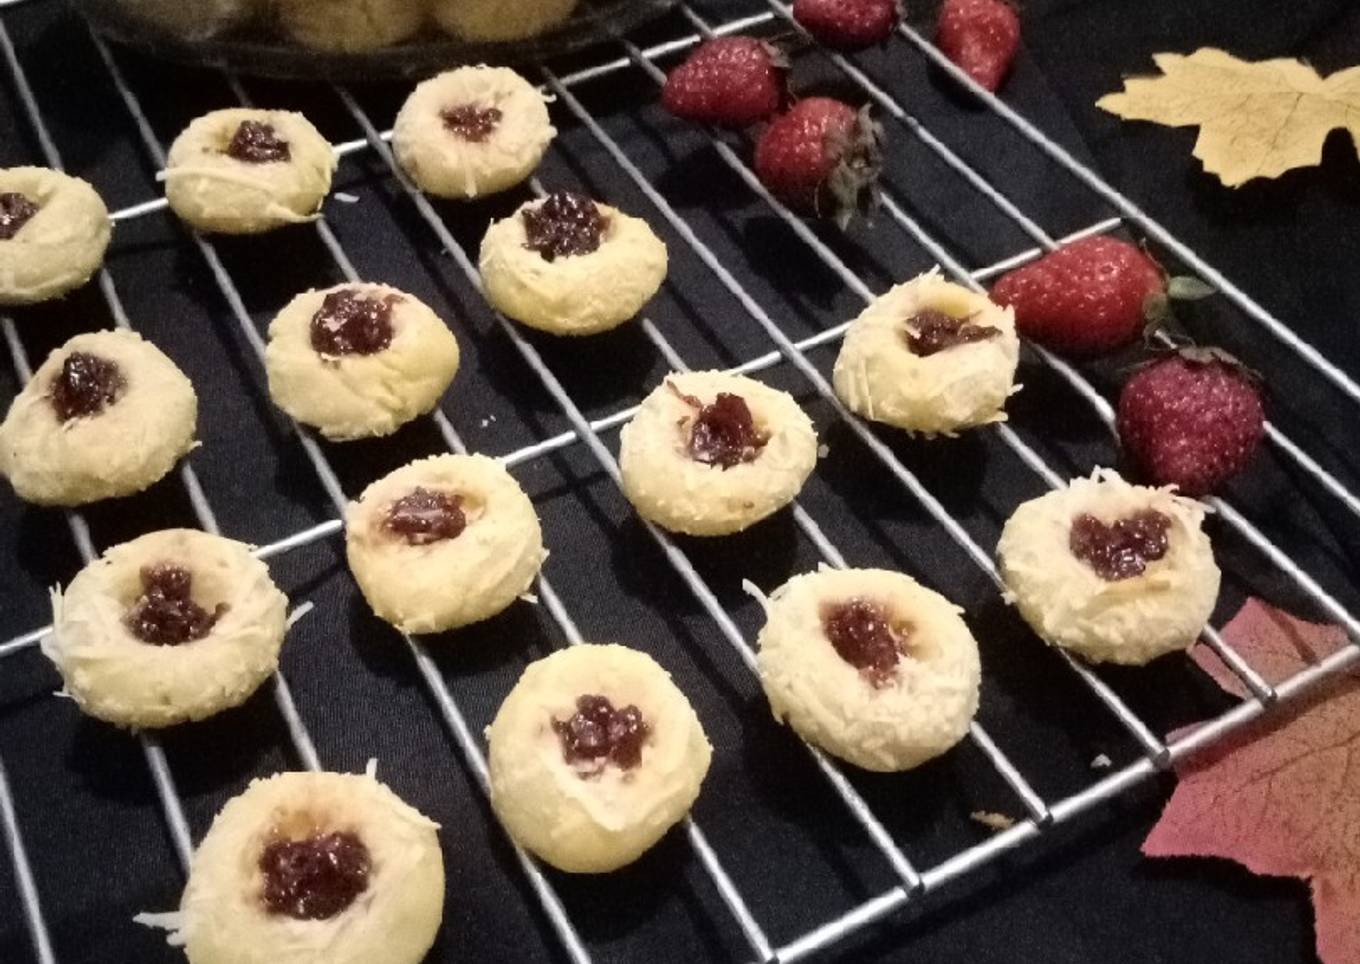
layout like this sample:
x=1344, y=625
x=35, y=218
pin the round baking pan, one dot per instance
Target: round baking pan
x=256, y=50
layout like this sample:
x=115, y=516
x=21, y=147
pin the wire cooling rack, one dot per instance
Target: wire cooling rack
x=911, y=882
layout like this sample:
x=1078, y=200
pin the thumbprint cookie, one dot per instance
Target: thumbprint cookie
x=312, y=868
x=54, y=230
x=175, y=625
x=443, y=542
x=930, y=357
x=1117, y=573
x=869, y=665
x=106, y=415
x=247, y=171
x=472, y=131
x=709, y=453
x=358, y=360
x=594, y=755
x=568, y=265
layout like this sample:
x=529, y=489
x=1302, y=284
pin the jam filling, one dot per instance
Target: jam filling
x=86, y=385
x=930, y=332
x=15, y=211
x=256, y=142
x=425, y=516
x=600, y=734
x=165, y=614
x=316, y=878
x=724, y=433
x=471, y=122
x=564, y=224
x=862, y=635
x=1122, y=550
x=351, y=323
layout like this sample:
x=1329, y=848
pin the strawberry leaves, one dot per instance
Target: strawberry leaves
x=821, y=157
x=1279, y=795
x=852, y=185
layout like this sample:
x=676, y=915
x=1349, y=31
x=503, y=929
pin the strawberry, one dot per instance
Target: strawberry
x=821, y=157
x=1086, y=298
x=1191, y=419
x=848, y=24
x=728, y=81
x=981, y=37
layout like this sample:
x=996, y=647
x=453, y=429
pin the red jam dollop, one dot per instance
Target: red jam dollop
x=930, y=332
x=315, y=878
x=350, y=322
x=471, y=122
x=564, y=224
x=600, y=734
x=86, y=385
x=166, y=614
x=864, y=636
x=1121, y=550
x=256, y=142
x=425, y=516
x=16, y=210
x=724, y=433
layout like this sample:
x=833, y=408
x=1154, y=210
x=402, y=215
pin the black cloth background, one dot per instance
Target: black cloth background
x=87, y=808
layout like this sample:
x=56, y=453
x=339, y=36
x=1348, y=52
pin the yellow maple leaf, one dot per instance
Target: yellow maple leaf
x=1255, y=119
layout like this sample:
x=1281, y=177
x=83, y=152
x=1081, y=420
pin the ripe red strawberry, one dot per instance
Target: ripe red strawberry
x=848, y=24
x=1085, y=298
x=1191, y=419
x=981, y=36
x=822, y=157
x=728, y=81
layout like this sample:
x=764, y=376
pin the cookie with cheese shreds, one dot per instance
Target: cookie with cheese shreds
x=346, y=391
x=173, y=626
x=1118, y=573
x=930, y=357
x=594, y=755
x=472, y=131
x=443, y=542
x=246, y=171
x=106, y=415
x=578, y=282
x=869, y=665
x=712, y=453
x=54, y=230
x=312, y=868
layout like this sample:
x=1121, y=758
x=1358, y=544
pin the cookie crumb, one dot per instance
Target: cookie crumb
x=993, y=821
x=1101, y=762
x=823, y=450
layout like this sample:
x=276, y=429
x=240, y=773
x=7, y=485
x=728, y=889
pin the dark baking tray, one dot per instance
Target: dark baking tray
x=253, y=51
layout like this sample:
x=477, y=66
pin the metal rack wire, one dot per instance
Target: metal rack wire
x=911, y=881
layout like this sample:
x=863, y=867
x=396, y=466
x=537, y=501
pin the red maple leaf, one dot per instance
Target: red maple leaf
x=1282, y=795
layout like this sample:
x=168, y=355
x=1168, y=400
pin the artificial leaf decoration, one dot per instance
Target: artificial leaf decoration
x=1255, y=119
x=1282, y=795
